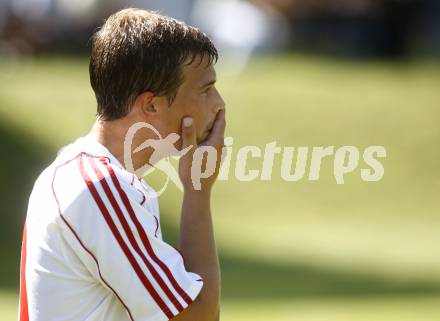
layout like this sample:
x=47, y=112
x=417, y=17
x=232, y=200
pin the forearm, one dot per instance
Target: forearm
x=197, y=241
x=197, y=244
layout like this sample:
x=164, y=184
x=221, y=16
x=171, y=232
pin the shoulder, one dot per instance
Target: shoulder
x=87, y=180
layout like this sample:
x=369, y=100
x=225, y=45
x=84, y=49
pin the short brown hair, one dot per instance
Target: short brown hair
x=137, y=51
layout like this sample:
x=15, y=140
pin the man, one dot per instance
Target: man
x=92, y=244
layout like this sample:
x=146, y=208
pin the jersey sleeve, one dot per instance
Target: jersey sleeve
x=115, y=236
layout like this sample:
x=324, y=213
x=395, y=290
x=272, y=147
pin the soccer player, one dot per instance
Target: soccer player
x=92, y=243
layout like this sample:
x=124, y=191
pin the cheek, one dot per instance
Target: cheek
x=192, y=106
x=173, y=124
x=197, y=106
x=197, y=110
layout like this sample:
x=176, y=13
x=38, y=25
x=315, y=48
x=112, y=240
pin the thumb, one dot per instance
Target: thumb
x=188, y=132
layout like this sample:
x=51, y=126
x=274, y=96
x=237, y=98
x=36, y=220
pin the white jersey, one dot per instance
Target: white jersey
x=92, y=245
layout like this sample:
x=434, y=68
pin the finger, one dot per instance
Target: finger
x=218, y=130
x=188, y=133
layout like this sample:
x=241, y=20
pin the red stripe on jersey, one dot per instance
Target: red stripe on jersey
x=97, y=265
x=144, y=237
x=79, y=240
x=24, y=312
x=130, y=235
x=121, y=242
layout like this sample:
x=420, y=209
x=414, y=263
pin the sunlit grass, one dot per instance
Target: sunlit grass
x=8, y=305
x=344, y=309
x=386, y=230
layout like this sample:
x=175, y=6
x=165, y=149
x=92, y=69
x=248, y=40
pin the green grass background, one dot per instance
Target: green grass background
x=289, y=250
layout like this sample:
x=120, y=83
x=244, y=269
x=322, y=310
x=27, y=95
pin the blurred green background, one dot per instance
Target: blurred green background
x=289, y=250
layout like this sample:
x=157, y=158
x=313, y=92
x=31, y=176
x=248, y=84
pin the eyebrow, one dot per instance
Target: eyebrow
x=212, y=82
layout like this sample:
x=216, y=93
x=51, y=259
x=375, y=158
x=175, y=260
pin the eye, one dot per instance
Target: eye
x=206, y=90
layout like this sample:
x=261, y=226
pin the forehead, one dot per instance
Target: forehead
x=199, y=72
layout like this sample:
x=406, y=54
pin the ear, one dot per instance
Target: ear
x=145, y=105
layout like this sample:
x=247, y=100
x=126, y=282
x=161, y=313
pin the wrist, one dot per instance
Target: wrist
x=203, y=194
x=197, y=201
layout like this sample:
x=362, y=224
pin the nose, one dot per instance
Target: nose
x=218, y=108
x=220, y=105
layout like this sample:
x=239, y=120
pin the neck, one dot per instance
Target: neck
x=111, y=134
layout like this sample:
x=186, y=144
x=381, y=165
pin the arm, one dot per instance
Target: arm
x=196, y=230
x=198, y=246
